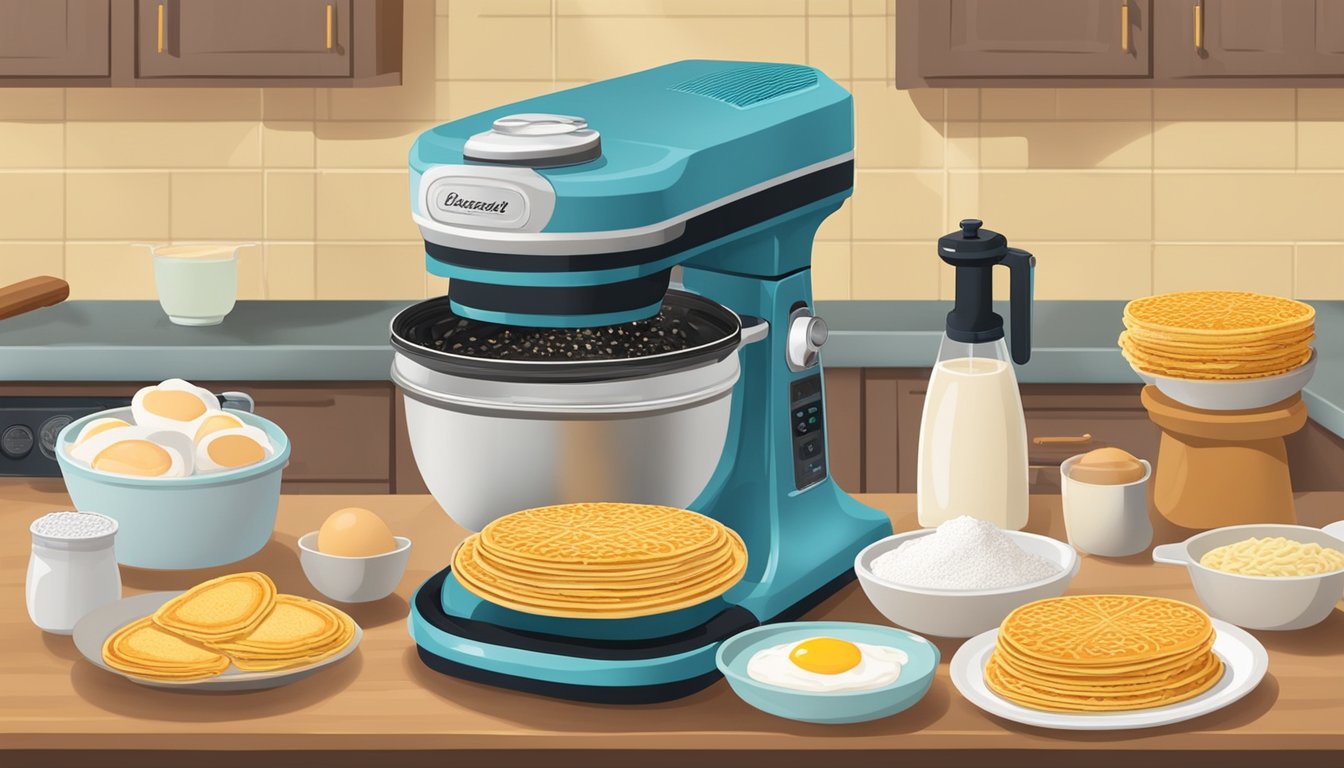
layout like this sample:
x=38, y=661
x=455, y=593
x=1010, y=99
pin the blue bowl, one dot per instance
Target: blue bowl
x=183, y=522
x=840, y=707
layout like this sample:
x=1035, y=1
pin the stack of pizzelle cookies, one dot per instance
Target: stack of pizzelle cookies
x=238, y=619
x=600, y=560
x=1103, y=653
x=1217, y=335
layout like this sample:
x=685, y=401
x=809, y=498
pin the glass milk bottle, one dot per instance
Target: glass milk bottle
x=973, y=435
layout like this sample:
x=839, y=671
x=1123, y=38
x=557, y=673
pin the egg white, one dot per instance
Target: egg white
x=200, y=422
x=879, y=665
x=205, y=464
x=96, y=424
x=176, y=444
x=147, y=418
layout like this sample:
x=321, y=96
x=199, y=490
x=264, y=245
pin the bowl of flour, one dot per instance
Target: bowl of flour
x=963, y=577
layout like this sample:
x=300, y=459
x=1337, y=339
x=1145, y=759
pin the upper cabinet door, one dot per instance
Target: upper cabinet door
x=54, y=38
x=243, y=38
x=1023, y=39
x=1250, y=38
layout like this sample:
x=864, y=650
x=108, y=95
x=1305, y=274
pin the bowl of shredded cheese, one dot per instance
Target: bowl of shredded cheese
x=1277, y=577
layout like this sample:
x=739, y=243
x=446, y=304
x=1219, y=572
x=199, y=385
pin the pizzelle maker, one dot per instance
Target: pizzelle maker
x=566, y=364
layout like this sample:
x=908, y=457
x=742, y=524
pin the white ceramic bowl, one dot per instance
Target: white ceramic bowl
x=353, y=579
x=1106, y=520
x=1236, y=395
x=954, y=612
x=1260, y=602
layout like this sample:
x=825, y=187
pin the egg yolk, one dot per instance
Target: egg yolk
x=826, y=655
x=133, y=457
x=174, y=404
x=215, y=424
x=235, y=451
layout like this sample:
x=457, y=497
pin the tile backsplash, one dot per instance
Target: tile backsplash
x=1119, y=192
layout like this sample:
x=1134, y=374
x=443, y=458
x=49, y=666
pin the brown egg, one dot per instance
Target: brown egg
x=1107, y=466
x=354, y=532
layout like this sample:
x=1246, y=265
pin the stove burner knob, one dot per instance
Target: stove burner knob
x=47, y=433
x=807, y=333
x=16, y=442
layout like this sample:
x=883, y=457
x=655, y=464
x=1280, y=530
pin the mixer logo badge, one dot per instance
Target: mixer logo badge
x=454, y=200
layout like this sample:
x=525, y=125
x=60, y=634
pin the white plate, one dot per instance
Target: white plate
x=1244, y=660
x=94, y=629
x=1236, y=394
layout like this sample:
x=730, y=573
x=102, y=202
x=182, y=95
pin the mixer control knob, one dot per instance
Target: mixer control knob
x=807, y=333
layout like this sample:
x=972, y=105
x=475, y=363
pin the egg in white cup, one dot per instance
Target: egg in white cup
x=354, y=558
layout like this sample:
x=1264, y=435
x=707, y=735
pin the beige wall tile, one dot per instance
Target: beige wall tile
x=898, y=205
x=1320, y=144
x=1100, y=271
x=476, y=49
x=827, y=7
x=414, y=98
x=366, y=144
x=467, y=9
x=20, y=261
x=1104, y=104
x=223, y=206
x=837, y=225
x=828, y=45
x=109, y=271
x=961, y=103
x=31, y=145
x=467, y=97
x=435, y=286
x=593, y=47
x=963, y=145
x=364, y=206
x=163, y=145
x=393, y=271
x=290, y=205
x=251, y=273
x=441, y=46
x=288, y=103
x=287, y=144
x=897, y=129
x=290, y=271
x=32, y=104
x=1068, y=206
x=1320, y=104
x=681, y=8
x=1065, y=145
x=894, y=271
x=117, y=206
x=871, y=52
x=963, y=198
x=1260, y=268
x=830, y=271
x=1223, y=104
x=868, y=7
x=1240, y=207
x=163, y=104
x=1320, y=272
x=1225, y=144
x=1019, y=104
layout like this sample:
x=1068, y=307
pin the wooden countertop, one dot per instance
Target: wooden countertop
x=383, y=699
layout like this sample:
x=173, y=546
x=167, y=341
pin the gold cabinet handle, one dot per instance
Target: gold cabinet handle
x=1078, y=440
x=1199, y=26
x=159, y=46
x=331, y=12
x=1124, y=27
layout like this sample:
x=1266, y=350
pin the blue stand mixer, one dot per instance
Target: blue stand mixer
x=567, y=364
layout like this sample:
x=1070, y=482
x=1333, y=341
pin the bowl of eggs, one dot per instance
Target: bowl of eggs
x=828, y=671
x=353, y=557
x=191, y=485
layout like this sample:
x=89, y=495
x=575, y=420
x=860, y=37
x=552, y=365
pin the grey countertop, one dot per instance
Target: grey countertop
x=347, y=340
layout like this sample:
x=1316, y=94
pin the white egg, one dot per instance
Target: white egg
x=214, y=421
x=876, y=666
x=136, y=451
x=94, y=427
x=175, y=404
x=227, y=449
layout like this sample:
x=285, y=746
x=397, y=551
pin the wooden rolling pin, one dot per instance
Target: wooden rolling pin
x=34, y=293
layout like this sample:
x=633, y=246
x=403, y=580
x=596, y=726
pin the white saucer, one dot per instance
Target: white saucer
x=1245, y=663
x=1236, y=394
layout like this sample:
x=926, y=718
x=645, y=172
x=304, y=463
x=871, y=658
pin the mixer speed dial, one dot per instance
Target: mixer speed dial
x=807, y=333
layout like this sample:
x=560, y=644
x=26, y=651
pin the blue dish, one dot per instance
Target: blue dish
x=840, y=707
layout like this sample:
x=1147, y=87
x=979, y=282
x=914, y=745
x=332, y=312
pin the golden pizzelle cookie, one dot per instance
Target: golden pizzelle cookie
x=1217, y=313
x=601, y=560
x=219, y=609
x=297, y=632
x=144, y=649
x=1103, y=653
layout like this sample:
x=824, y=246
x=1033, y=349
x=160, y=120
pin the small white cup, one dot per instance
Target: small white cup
x=197, y=283
x=1106, y=520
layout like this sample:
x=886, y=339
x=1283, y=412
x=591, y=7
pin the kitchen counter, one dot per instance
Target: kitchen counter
x=347, y=340
x=383, y=700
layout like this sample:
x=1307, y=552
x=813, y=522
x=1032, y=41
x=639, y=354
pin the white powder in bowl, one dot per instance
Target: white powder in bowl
x=963, y=553
x=73, y=525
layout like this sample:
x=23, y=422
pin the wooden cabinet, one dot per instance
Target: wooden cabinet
x=328, y=43
x=1090, y=43
x=54, y=38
